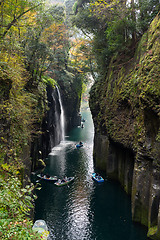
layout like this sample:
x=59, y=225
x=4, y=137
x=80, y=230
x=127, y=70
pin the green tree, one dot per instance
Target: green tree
x=12, y=11
x=114, y=25
x=15, y=205
x=40, y=44
x=146, y=11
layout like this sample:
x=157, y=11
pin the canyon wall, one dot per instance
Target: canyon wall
x=126, y=112
x=50, y=130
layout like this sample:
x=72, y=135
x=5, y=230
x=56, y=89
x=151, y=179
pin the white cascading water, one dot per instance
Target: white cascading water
x=62, y=119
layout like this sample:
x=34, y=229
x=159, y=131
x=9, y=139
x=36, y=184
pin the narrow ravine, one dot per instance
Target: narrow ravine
x=83, y=209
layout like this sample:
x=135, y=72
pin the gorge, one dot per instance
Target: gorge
x=48, y=54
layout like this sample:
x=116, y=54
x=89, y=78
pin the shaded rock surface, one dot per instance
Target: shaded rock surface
x=50, y=129
x=126, y=107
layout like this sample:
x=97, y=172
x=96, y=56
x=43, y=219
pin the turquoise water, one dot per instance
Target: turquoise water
x=84, y=210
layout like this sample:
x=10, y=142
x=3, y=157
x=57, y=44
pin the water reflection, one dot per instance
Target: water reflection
x=79, y=219
x=84, y=210
x=80, y=216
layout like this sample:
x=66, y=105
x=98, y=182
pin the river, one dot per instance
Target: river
x=83, y=210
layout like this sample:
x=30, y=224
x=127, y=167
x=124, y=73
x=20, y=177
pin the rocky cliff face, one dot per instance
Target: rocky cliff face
x=48, y=137
x=50, y=129
x=70, y=83
x=126, y=113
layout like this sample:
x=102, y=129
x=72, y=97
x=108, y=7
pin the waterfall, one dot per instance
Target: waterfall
x=62, y=119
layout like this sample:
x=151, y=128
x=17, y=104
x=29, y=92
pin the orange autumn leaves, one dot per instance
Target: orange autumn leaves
x=80, y=54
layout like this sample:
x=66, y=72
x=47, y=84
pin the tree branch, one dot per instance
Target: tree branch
x=16, y=19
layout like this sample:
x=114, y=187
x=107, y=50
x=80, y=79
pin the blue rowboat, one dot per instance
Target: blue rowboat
x=97, y=178
x=79, y=145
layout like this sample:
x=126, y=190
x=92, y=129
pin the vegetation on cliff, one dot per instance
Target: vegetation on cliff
x=34, y=53
x=130, y=95
x=114, y=27
x=126, y=57
x=36, y=48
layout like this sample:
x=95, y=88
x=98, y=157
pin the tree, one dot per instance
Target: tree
x=146, y=10
x=82, y=58
x=113, y=25
x=12, y=11
x=41, y=43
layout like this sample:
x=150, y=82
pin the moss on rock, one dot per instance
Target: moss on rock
x=123, y=99
x=126, y=109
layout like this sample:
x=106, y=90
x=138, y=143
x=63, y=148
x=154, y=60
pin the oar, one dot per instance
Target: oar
x=67, y=185
x=38, y=180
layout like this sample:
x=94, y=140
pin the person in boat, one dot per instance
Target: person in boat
x=47, y=175
x=82, y=126
x=98, y=176
x=41, y=174
x=59, y=181
x=80, y=143
x=64, y=179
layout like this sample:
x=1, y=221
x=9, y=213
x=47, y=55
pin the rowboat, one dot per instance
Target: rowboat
x=79, y=145
x=60, y=183
x=40, y=226
x=51, y=178
x=97, y=177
